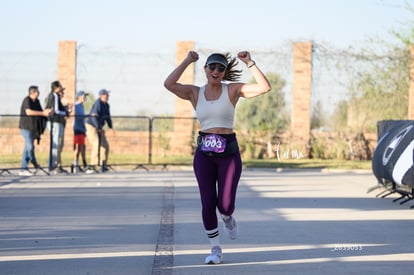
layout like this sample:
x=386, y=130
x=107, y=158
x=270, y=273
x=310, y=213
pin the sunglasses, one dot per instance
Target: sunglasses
x=213, y=66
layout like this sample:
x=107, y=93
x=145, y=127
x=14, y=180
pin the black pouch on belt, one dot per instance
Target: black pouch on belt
x=208, y=144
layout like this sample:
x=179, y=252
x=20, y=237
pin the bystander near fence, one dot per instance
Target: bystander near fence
x=139, y=141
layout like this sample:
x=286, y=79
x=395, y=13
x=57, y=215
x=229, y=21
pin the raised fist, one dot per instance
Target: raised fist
x=192, y=56
x=244, y=56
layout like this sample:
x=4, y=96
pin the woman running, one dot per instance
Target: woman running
x=217, y=162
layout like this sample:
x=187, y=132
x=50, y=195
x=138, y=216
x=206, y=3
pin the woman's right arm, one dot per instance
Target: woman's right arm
x=183, y=91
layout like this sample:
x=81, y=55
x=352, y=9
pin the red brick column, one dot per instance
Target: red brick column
x=301, y=95
x=67, y=68
x=183, y=108
x=67, y=77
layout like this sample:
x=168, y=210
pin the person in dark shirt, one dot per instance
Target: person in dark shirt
x=99, y=115
x=56, y=126
x=31, y=114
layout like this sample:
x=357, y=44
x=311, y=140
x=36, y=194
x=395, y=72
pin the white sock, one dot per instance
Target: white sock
x=213, y=237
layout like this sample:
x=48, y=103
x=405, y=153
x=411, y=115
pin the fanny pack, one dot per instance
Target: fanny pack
x=215, y=145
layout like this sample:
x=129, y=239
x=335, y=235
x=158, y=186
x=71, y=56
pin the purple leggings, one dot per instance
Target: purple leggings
x=217, y=179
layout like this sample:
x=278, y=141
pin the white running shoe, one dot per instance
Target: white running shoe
x=215, y=257
x=230, y=226
x=90, y=170
x=25, y=173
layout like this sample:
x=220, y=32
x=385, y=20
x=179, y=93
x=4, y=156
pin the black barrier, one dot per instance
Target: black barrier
x=393, y=160
x=385, y=126
x=138, y=142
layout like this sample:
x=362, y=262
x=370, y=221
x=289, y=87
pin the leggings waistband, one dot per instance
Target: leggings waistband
x=229, y=137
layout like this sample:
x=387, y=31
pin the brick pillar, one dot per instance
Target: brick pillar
x=411, y=88
x=67, y=77
x=183, y=108
x=67, y=68
x=301, y=95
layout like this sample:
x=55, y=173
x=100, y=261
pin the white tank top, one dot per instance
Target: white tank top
x=217, y=113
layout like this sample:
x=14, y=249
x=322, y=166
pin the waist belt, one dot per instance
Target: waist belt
x=215, y=145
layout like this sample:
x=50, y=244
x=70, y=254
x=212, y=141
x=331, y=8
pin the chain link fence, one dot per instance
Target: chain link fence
x=139, y=101
x=136, y=78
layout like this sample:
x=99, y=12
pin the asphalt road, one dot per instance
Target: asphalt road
x=291, y=222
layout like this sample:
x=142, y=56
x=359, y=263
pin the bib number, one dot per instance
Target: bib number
x=213, y=143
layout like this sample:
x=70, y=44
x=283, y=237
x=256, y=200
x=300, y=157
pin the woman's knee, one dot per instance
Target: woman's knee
x=226, y=208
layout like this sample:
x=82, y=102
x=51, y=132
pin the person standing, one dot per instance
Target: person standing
x=99, y=115
x=79, y=129
x=31, y=127
x=67, y=107
x=56, y=126
x=217, y=162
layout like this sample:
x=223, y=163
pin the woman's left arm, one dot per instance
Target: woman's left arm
x=262, y=84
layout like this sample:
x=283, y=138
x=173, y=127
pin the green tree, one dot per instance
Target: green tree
x=379, y=77
x=264, y=112
x=259, y=119
x=340, y=116
x=406, y=33
x=377, y=83
x=318, y=118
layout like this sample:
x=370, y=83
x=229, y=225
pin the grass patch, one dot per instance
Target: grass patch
x=309, y=163
x=9, y=161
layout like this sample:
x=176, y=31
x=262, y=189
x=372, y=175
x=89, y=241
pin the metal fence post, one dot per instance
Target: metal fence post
x=150, y=129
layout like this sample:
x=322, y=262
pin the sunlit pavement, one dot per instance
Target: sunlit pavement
x=123, y=222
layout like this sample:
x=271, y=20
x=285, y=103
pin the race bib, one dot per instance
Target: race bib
x=213, y=143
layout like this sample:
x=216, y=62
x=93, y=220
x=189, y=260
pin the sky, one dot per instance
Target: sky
x=155, y=26
x=136, y=24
